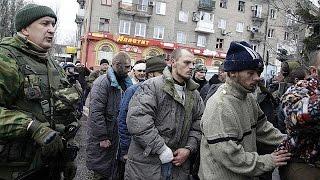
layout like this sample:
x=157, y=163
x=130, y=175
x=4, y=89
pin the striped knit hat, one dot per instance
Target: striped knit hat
x=241, y=56
x=30, y=13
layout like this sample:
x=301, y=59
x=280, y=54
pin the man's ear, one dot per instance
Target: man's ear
x=25, y=31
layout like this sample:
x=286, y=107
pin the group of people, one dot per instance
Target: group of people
x=153, y=124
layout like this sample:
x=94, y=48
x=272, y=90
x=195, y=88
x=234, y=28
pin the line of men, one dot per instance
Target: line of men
x=163, y=119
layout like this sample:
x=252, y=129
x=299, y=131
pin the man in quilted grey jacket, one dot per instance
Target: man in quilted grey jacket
x=163, y=118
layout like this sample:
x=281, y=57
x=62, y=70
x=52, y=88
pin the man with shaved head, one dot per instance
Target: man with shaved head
x=105, y=99
x=163, y=119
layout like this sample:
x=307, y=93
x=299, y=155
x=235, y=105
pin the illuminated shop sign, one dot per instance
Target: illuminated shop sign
x=132, y=41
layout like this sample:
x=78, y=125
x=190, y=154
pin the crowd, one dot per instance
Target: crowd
x=158, y=119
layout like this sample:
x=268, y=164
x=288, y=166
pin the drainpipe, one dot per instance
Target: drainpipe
x=264, y=45
x=89, y=30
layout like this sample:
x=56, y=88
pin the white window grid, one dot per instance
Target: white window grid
x=240, y=27
x=140, y=29
x=161, y=8
x=181, y=37
x=202, y=41
x=222, y=24
x=158, y=32
x=124, y=27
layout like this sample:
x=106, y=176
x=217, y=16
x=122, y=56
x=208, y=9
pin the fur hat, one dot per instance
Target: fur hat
x=241, y=56
x=155, y=64
x=30, y=13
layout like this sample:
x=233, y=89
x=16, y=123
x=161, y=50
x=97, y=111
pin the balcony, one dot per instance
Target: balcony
x=207, y=5
x=135, y=9
x=80, y=16
x=257, y=18
x=257, y=36
x=204, y=27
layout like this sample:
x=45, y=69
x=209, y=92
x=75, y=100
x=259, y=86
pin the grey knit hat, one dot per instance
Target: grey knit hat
x=30, y=13
x=155, y=64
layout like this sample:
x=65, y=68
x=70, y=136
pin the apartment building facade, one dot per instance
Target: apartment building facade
x=145, y=28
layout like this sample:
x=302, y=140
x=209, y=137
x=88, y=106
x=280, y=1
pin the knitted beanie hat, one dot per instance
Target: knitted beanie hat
x=241, y=56
x=30, y=13
x=200, y=67
x=155, y=64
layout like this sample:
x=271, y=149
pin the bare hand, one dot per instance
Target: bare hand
x=125, y=157
x=105, y=143
x=281, y=157
x=180, y=156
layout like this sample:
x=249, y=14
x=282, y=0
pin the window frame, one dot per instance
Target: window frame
x=239, y=24
x=241, y=6
x=270, y=33
x=140, y=28
x=223, y=4
x=161, y=6
x=158, y=32
x=183, y=36
x=106, y=2
x=105, y=24
x=222, y=25
x=129, y=27
x=219, y=43
x=203, y=42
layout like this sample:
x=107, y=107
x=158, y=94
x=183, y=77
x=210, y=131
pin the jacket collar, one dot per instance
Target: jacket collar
x=236, y=89
x=170, y=89
x=21, y=42
x=113, y=79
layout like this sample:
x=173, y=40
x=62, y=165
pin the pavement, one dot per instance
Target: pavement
x=82, y=172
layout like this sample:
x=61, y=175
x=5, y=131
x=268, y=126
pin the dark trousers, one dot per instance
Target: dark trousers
x=299, y=171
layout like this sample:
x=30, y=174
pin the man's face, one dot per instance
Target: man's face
x=222, y=76
x=104, y=66
x=248, y=79
x=200, y=75
x=122, y=68
x=183, y=66
x=139, y=74
x=41, y=32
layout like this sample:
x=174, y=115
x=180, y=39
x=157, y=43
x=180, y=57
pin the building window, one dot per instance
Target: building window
x=206, y=17
x=223, y=3
x=240, y=27
x=202, y=41
x=183, y=16
x=222, y=24
x=219, y=44
x=106, y=2
x=104, y=25
x=273, y=14
x=161, y=8
x=257, y=10
x=286, y=36
x=158, y=32
x=143, y=5
x=140, y=29
x=241, y=6
x=124, y=27
x=270, y=33
x=181, y=37
x=255, y=47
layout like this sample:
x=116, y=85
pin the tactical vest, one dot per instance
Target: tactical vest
x=46, y=95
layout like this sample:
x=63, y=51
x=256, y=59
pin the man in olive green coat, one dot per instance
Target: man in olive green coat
x=37, y=103
x=164, y=120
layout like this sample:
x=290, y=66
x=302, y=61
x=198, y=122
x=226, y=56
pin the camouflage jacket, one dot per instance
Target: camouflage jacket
x=31, y=87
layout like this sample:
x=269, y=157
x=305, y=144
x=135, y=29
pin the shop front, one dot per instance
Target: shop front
x=97, y=46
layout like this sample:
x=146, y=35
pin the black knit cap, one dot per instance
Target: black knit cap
x=30, y=13
x=155, y=64
x=102, y=61
x=241, y=56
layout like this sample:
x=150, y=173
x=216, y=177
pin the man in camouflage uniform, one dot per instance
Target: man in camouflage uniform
x=38, y=118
